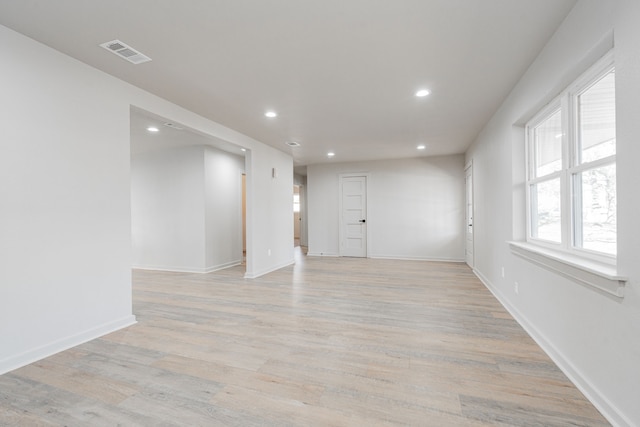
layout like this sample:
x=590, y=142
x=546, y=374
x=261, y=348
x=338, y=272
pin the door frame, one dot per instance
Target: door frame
x=469, y=215
x=297, y=223
x=367, y=177
x=304, y=230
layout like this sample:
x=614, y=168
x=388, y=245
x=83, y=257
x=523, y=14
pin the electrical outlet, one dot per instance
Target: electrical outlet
x=516, y=288
x=503, y=272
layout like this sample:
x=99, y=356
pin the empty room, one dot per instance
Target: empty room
x=320, y=213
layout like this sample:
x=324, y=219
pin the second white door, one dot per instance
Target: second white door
x=353, y=216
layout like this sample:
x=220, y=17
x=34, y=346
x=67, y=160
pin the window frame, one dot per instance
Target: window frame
x=571, y=167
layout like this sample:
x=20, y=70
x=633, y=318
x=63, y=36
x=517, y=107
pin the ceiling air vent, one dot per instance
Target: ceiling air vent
x=125, y=52
x=292, y=144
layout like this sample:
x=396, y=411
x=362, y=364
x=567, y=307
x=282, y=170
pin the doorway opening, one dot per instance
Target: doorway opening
x=244, y=218
x=188, y=205
x=296, y=216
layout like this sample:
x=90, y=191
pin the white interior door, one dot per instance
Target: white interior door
x=469, y=215
x=353, y=216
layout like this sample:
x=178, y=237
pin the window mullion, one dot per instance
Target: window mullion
x=594, y=164
x=544, y=178
x=577, y=204
x=568, y=153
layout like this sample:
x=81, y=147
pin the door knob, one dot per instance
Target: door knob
x=363, y=220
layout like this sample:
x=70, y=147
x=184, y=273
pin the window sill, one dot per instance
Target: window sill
x=602, y=277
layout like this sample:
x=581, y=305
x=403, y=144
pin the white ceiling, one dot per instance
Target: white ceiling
x=340, y=73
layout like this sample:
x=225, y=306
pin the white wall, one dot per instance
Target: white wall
x=223, y=209
x=168, y=209
x=269, y=211
x=415, y=207
x=65, y=214
x=594, y=338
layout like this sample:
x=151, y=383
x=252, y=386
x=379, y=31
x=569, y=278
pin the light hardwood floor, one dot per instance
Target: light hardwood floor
x=327, y=342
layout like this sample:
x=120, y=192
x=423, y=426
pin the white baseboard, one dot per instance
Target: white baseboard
x=168, y=268
x=187, y=269
x=396, y=257
x=591, y=392
x=255, y=275
x=327, y=254
x=222, y=266
x=30, y=356
x=416, y=258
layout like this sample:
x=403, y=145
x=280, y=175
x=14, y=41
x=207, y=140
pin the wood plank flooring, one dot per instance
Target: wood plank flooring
x=326, y=342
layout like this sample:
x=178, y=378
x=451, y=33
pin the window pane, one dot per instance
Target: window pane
x=546, y=223
x=548, y=146
x=597, y=119
x=296, y=202
x=597, y=202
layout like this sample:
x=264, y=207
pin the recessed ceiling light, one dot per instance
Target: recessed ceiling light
x=243, y=149
x=292, y=144
x=422, y=92
x=172, y=126
x=421, y=147
x=153, y=129
x=271, y=114
x=331, y=154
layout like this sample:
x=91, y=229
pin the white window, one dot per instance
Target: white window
x=296, y=202
x=571, y=168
